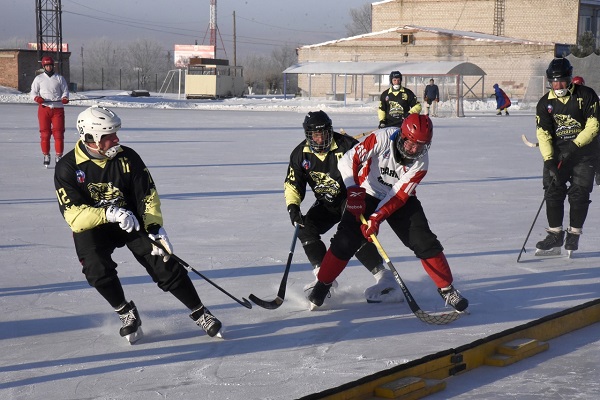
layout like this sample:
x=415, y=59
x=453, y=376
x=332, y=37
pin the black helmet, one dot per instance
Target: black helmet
x=318, y=121
x=395, y=74
x=560, y=69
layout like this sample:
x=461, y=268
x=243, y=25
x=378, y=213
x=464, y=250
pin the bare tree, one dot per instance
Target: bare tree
x=255, y=67
x=586, y=45
x=281, y=58
x=145, y=59
x=361, y=20
x=102, y=58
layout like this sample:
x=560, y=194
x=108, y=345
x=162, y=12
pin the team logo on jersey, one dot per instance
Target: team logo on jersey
x=567, y=127
x=550, y=108
x=325, y=186
x=105, y=193
x=80, y=176
x=306, y=164
x=386, y=154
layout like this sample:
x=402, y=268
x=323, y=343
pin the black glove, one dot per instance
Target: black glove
x=382, y=124
x=552, y=167
x=569, y=152
x=295, y=215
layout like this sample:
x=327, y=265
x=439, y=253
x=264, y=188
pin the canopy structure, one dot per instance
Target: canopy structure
x=378, y=68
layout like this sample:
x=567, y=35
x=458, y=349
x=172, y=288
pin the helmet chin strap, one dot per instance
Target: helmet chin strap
x=561, y=92
x=110, y=153
x=396, y=87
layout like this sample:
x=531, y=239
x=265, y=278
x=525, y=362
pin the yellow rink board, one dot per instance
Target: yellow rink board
x=418, y=378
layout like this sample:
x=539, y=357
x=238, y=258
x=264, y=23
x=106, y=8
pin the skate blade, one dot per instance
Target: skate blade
x=135, y=336
x=569, y=253
x=545, y=253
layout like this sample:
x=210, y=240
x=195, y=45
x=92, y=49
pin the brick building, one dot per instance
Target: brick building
x=18, y=68
x=511, y=40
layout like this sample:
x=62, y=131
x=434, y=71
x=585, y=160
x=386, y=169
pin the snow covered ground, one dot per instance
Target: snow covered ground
x=219, y=168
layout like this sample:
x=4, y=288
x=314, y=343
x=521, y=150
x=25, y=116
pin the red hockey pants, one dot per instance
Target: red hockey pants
x=52, y=123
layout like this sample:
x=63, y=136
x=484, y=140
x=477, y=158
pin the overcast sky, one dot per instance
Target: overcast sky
x=261, y=25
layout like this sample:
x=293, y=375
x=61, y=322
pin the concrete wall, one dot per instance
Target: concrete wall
x=514, y=66
x=508, y=64
x=541, y=20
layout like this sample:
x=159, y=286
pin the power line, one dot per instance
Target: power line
x=161, y=27
x=140, y=25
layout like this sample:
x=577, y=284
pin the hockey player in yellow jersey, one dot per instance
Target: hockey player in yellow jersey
x=109, y=200
x=314, y=163
x=396, y=103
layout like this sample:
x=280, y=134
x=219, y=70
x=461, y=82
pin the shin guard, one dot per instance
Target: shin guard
x=438, y=269
x=331, y=268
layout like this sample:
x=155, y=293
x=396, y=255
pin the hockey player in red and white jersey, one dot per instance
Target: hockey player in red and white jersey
x=381, y=175
x=50, y=90
x=314, y=163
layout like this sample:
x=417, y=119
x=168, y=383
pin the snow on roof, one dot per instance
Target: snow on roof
x=385, y=67
x=477, y=36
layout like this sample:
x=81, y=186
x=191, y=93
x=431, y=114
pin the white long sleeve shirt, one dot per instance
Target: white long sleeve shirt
x=51, y=88
x=371, y=165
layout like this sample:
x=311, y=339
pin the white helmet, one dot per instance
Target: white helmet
x=95, y=122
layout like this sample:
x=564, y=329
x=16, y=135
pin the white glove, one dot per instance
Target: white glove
x=161, y=237
x=127, y=221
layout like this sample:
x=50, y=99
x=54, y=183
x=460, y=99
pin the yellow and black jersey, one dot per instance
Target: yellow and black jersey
x=394, y=106
x=319, y=171
x=86, y=186
x=574, y=117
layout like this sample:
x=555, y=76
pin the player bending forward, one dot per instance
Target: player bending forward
x=104, y=190
x=381, y=175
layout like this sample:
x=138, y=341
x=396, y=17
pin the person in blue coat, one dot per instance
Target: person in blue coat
x=502, y=100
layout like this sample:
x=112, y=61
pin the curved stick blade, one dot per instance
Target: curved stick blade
x=269, y=305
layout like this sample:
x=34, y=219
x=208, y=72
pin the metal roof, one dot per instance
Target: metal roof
x=385, y=67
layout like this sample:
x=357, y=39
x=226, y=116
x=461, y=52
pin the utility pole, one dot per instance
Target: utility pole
x=234, y=43
x=82, y=75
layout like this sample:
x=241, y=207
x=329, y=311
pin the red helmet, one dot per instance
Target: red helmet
x=415, y=137
x=47, y=61
x=578, y=80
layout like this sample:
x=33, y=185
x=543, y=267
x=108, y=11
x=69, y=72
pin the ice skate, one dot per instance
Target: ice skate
x=205, y=320
x=57, y=159
x=571, y=242
x=309, y=286
x=386, y=290
x=46, y=160
x=131, y=328
x=318, y=294
x=551, y=245
x=507, y=113
x=453, y=298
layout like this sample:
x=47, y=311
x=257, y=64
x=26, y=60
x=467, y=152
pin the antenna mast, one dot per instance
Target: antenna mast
x=213, y=26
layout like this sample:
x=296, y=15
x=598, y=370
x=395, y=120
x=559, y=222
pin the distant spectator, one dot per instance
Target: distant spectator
x=431, y=96
x=502, y=100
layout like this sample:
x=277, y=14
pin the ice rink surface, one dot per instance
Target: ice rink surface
x=219, y=172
